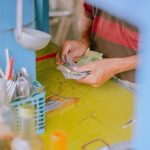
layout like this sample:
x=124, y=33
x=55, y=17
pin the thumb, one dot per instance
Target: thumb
x=65, y=49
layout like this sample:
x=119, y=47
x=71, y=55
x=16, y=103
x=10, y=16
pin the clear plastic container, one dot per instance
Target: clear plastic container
x=8, y=119
x=27, y=140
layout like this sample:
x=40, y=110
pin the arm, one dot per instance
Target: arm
x=85, y=25
x=77, y=48
x=83, y=43
x=127, y=63
x=103, y=70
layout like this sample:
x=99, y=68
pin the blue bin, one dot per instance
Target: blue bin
x=21, y=56
x=38, y=100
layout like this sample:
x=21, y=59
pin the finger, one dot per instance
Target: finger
x=74, y=57
x=75, y=54
x=86, y=80
x=83, y=68
x=90, y=82
x=59, y=59
x=65, y=49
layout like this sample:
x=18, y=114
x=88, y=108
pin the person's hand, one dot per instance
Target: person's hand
x=75, y=49
x=101, y=71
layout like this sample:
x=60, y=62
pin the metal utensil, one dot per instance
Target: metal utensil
x=24, y=87
x=24, y=72
x=29, y=38
x=14, y=76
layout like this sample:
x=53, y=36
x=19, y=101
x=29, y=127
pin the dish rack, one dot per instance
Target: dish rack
x=38, y=100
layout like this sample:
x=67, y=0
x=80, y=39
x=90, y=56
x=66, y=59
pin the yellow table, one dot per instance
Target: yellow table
x=98, y=117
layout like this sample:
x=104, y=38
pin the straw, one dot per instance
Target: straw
x=7, y=56
x=7, y=63
x=2, y=73
x=10, y=68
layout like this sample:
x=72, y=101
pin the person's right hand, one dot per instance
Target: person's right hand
x=75, y=49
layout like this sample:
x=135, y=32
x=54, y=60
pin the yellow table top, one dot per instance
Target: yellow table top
x=101, y=115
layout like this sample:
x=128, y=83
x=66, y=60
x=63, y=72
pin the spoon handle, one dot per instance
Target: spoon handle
x=19, y=17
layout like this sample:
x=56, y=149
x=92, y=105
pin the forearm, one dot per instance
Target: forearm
x=85, y=29
x=126, y=64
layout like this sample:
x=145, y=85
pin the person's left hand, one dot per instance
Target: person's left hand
x=101, y=71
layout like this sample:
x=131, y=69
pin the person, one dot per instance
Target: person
x=115, y=38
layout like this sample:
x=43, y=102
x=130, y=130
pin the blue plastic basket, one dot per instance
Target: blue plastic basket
x=38, y=100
